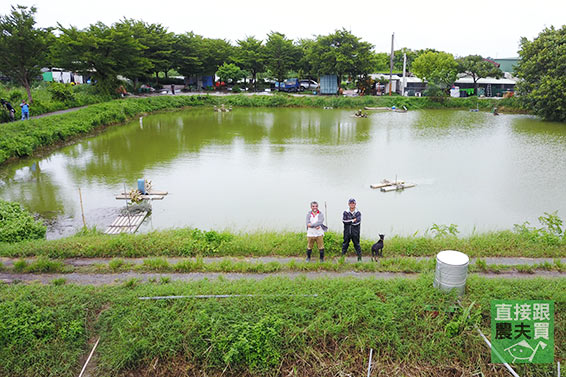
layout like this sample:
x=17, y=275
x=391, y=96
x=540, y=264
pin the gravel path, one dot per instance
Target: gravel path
x=81, y=262
x=103, y=279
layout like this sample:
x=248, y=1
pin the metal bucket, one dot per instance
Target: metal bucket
x=451, y=271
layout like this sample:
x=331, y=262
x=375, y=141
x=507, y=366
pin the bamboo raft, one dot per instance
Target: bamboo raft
x=126, y=223
x=397, y=187
x=151, y=195
x=403, y=110
x=393, y=185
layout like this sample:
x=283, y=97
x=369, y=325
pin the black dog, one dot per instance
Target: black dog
x=377, y=248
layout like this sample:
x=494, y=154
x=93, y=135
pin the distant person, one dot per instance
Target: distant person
x=10, y=108
x=352, y=219
x=25, y=109
x=315, y=231
x=173, y=89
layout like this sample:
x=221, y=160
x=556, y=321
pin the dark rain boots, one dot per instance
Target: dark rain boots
x=309, y=252
x=359, y=253
x=321, y=251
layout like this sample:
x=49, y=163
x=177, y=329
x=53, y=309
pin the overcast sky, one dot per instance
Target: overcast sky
x=485, y=27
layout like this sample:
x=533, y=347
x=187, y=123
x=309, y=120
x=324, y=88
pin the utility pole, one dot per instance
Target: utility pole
x=404, y=74
x=391, y=64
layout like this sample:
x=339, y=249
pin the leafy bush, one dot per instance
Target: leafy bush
x=551, y=231
x=17, y=225
x=61, y=92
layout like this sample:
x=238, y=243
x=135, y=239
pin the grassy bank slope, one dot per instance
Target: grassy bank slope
x=194, y=242
x=49, y=97
x=44, y=329
x=19, y=139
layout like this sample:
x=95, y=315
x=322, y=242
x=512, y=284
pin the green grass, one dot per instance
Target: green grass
x=22, y=138
x=41, y=265
x=187, y=242
x=282, y=330
x=160, y=264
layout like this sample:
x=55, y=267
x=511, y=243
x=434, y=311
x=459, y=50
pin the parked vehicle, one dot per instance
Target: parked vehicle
x=308, y=84
x=289, y=85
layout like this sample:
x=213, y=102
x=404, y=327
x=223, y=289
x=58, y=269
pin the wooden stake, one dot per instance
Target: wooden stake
x=82, y=209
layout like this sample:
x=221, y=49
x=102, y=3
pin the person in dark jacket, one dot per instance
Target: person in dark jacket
x=352, y=219
x=10, y=108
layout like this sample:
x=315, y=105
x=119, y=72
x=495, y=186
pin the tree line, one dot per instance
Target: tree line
x=139, y=51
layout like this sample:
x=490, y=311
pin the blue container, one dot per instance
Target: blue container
x=141, y=186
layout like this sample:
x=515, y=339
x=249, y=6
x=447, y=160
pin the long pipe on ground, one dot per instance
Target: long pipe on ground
x=89, y=356
x=218, y=296
x=369, y=362
x=497, y=353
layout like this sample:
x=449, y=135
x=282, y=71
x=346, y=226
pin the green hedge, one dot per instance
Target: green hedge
x=16, y=224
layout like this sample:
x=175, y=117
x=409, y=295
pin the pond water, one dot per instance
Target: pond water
x=258, y=169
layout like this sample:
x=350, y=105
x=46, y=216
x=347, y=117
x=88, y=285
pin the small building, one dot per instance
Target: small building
x=328, y=84
x=507, y=64
x=488, y=86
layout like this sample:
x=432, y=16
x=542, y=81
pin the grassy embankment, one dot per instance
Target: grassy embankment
x=49, y=97
x=20, y=139
x=45, y=330
x=524, y=241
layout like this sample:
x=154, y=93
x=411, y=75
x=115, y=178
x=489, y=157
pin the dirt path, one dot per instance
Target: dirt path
x=69, y=110
x=82, y=262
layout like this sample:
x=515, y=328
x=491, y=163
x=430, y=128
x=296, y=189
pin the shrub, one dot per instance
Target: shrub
x=61, y=92
x=16, y=224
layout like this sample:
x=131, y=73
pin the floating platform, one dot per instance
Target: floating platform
x=151, y=195
x=397, y=187
x=386, y=183
x=393, y=185
x=376, y=108
x=126, y=223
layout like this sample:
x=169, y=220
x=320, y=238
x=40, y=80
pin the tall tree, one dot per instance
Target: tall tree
x=304, y=65
x=342, y=53
x=215, y=52
x=188, y=54
x=157, y=42
x=542, y=70
x=477, y=67
x=23, y=47
x=281, y=55
x=411, y=56
x=103, y=52
x=250, y=56
x=440, y=69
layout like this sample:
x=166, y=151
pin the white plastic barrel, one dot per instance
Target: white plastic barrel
x=451, y=271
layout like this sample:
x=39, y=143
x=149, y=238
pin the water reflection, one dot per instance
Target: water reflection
x=123, y=153
x=36, y=189
x=227, y=169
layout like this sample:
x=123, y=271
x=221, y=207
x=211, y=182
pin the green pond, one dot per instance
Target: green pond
x=258, y=169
